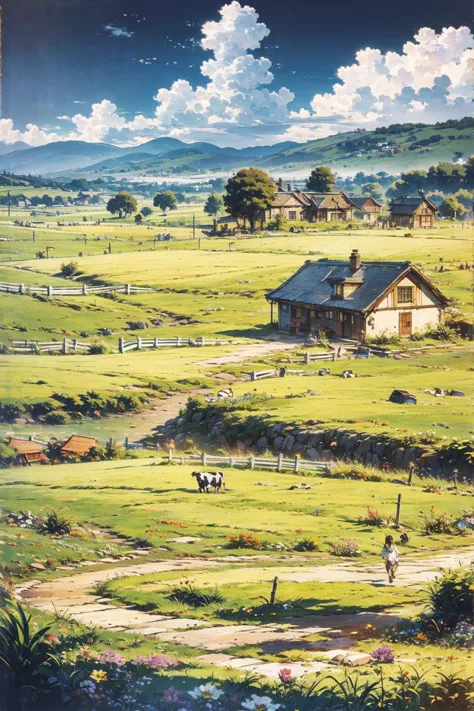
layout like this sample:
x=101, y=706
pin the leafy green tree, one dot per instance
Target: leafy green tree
x=78, y=184
x=373, y=189
x=146, y=211
x=447, y=175
x=165, y=201
x=248, y=193
x=47, y=200
x=321, y=180
x=214, y=205
x=139, y=218
x=451, y=207
x=217, y=184
x=466, y=198
x=122, y=204
x=469, y=173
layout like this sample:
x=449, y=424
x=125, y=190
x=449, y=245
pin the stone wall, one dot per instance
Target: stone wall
x=258, y=434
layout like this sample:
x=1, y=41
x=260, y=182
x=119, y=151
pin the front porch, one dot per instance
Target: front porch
x=336, y=323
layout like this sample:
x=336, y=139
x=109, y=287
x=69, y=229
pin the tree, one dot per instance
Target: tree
x=123, y=203
x=321, y=180
x=373, y=189
x=139, y=218
x=248, y=193
x=59, y=200
x=47, y=200
x=78, y=184
x=165, y=201
x=69, y=269
x=217, y=184
x=451, y=207
x=146, y=211
x=469, y=173
x=466, y=198
x=214, y=205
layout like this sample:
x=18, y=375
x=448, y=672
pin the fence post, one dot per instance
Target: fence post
x=50, y=290
x=231, y=462
x=64, y=346
x=127, y=289
x=203, y=459
x=410, y=475
x=139, y=343
x=252, y=376
x=120, y=344
x=125, y=444
x=84, y=290
x=399, y=506
x=170, y=455
x=306, y=358
x=155, y=343
x=203, y=341
x=251, y=462
x=74, y=345
x=274, y=591
x=21, y=289
x=295, y=466
x=279, y=462
x=178, y=343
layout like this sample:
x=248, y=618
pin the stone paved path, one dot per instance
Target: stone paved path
x=73, y=594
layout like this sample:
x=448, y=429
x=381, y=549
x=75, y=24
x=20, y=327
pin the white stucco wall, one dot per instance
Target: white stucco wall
x=389, y=320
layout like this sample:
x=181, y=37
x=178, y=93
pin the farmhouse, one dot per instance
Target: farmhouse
x=368, y=206
x=310, y=207
x=28, y=451
x=413, y=212
x=356, y=299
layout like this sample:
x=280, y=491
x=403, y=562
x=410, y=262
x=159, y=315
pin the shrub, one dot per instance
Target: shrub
x=55, y=524
x=56, y=418
x=97, y=347
x=345, y=548
x=439, y=523
x=69, y=269
x=372, y=518
x=189, y=595
x=451, y=597
x=383, y=339
x=383, y=655
x=245, y=540
x=10, y=411
x=38, y=409
x=306, y=544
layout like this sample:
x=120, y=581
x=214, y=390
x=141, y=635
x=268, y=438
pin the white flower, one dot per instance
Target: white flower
x=206, y=691
x=260, y=703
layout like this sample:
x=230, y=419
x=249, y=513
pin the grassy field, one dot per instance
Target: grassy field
x=147, y=499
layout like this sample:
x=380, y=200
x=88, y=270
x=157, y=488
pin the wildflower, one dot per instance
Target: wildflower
x=285, y=675
x=260, y=703
x=206, y=692
x=383, y=655
x=108, y=656
x=52, y=639
x=421, y=637
x=99, y=675
x=171, y=695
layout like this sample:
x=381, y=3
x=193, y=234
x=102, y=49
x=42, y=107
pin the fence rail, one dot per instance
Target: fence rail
x=67, y=345
x=278, y=464
x=82, y=290
x=174, y=342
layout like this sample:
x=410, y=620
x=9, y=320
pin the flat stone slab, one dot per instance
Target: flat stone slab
x=271, y=670
x=184, y=539
x=179, y=623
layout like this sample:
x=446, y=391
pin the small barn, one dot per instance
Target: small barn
x=413, y=212
x=367, y=206
x=77, y=445
x=354, y=299
x=28, y=451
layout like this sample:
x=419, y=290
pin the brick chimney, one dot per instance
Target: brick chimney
x=354, y=260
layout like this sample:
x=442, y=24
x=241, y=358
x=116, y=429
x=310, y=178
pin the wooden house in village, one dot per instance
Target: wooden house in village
x=413, y=212
x=356, y=299
x=310, y=207
x=28, y=451
x=78, y=445
x=367, y=207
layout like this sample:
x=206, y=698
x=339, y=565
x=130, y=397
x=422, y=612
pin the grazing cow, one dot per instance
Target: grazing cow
x=208, y=480
x=225, y=393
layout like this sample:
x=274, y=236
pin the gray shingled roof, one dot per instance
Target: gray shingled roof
x=360, y=201
x=408, y=205
x=311, y=284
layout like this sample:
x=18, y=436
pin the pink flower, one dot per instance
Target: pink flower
x=154, y=661
x=52, y=639
x=285, y=675
x=108, y=656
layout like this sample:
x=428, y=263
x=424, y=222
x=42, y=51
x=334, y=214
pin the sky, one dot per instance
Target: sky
x=125, y=71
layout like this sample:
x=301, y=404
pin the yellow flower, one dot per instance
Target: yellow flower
x=422, y=637
x=99, y=675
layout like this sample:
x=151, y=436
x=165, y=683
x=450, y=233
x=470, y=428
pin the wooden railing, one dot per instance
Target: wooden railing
x=67, y=345
x=174, y=342
x=278, y=464
x=82, y=290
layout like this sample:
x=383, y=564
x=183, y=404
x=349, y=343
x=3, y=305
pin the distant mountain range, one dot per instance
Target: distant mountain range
x=394, y=148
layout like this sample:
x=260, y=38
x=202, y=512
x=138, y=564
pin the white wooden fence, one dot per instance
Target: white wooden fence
x=82, y=290
x=174, y=342
x=65, y=346
x=278, y=464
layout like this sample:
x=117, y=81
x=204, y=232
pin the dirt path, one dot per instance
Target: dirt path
x=252, y=350
x=73, y=595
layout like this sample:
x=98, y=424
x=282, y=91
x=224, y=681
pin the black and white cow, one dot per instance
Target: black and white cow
x=225, y=394
x=208, y=480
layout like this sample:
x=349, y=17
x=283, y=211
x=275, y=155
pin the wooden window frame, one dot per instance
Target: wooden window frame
x=405, y=294
x=292, y=215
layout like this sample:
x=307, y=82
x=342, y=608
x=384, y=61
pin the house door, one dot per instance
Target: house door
x=405, y=324
x=346, y=326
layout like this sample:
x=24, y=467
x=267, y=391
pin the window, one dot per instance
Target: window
x=339, y=291
x=405, y=294
x=298, y=313
x=292, y=215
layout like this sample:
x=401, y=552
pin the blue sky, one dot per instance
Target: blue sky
x=267, y=72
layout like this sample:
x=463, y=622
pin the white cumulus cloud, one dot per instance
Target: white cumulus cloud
x=116, y=31
x=430, y=80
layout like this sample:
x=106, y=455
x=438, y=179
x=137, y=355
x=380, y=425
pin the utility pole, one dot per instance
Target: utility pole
x=194, y=226
x=9, y=203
